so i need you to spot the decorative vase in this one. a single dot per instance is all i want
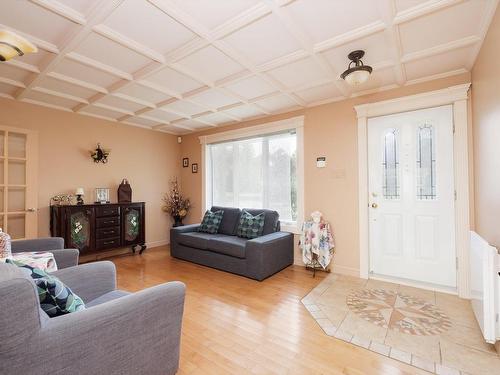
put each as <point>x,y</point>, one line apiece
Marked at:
<point>5,249</point>
<point>177,221</point>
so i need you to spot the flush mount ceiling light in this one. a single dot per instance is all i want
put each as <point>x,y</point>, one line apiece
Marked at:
<point>359,73</point>
<point>12,45</point>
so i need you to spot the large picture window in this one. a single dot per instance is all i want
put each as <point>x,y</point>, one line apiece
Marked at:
<point>256,171</point>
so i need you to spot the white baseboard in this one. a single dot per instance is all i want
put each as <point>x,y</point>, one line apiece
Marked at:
<point>344,270</point>
<point>157,243</point>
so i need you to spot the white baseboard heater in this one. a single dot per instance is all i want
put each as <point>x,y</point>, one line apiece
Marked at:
<point>485,287</point>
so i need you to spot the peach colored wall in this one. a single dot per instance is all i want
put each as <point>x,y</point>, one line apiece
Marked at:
<point>486,125</point>
<point>148,159</point>
<point>330,130</point>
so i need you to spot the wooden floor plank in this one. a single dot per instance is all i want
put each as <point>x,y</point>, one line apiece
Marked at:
<point>234,325</point>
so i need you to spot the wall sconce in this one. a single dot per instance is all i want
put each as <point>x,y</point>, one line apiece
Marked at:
<point>12,45</point>
<point>100,155</point>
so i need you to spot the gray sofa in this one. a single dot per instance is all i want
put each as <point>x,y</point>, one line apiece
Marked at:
<point>256,258</point>
<point>64,257</point>
<point>118,333</point>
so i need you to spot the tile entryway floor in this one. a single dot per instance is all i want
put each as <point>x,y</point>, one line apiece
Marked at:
<point>434,331</point>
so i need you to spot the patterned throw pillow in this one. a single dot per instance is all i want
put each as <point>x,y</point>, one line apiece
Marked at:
<point>211,222</point>
<point>55,297</point>
<point>250,226</point>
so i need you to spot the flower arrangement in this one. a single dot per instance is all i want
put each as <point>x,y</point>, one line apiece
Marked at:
<point>175,204</point>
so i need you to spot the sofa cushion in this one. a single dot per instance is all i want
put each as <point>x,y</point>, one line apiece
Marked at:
<point>229,221</point>
<point>110,296</point>
<point>250,226</point>
<point>271,219</point>
<point>55,297</point>
<point>211,222</point>
<point>198,240</point>
<point>228,245</point>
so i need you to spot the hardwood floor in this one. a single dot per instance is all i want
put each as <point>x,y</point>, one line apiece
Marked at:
<point>234,325</point>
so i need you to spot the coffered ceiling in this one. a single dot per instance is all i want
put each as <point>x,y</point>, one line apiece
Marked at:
<point>183,65</point>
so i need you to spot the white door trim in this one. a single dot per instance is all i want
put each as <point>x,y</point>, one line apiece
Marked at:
<point>457,96</point>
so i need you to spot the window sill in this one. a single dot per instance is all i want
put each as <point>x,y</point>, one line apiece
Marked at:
<point>292,228</point>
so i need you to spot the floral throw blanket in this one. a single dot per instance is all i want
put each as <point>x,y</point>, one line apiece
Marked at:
<point>317,238</point>
<point>43,260</point>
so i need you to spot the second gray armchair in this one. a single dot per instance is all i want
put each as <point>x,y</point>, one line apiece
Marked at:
<point>118,333</point>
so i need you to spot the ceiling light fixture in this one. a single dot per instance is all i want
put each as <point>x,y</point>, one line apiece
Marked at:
<point>359,73</point>
<point>12,45</point>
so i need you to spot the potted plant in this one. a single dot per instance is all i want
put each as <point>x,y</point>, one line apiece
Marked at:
<point>175,204</point>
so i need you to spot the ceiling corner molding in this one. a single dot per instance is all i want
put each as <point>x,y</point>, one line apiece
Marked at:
<point>413,102</point>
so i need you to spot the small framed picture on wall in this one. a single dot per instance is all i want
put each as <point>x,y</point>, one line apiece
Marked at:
<point>185,162</point>
<point>194,168</point>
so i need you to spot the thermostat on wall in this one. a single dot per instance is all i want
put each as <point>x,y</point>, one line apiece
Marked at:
<point>321,162</point>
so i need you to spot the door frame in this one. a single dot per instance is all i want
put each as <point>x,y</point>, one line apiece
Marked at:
<point>457,96</point>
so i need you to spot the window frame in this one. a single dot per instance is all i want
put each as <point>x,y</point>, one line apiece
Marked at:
<point>295,123</point>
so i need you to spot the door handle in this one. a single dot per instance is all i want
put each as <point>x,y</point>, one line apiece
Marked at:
<point>31,209</point>
<point>374,205</point>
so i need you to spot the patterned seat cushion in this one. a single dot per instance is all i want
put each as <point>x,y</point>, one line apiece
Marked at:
<point>211,222</point>
<point>250,226</point>
<point>55,297</point>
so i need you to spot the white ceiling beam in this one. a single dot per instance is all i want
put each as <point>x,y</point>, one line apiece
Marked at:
<point>456,44</point>
<point>98,65</point>
<point>47,46</point>
<point>387,8</point>
<point>12,82</point>
<point>62,10</point>
<point>360,32</point>
<point>74,81</point>
<point>423,9</point>
<point>60,94</point>
<point>22,65</point>
<point>44,104</point>
<point>241,20</point>
<point>98,116</point>
<point>307,45</point>
<point>98,14</point>
<point>134,100</point>
<point>115,36</point>
<point>115,109</point>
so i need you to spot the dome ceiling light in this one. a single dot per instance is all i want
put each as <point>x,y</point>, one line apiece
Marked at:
<point>356,72</point>
<point>12,45</point>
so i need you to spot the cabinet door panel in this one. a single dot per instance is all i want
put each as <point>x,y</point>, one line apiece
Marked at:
<point>80,228</point>
<point>133,224</point>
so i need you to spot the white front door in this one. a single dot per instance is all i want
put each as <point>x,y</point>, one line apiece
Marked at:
<point>411,196</point>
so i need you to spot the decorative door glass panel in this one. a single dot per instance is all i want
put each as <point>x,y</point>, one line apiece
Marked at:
<point>131,224</point>
<point>17,172</point>
<point>17,199</point>
<point>17,225</point>
<point>426,163</point>
<point>80,230</point>
<point>390,165</point>
<point>17,145</point>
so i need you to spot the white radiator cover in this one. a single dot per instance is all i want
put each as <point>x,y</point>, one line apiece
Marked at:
<point>485,286</point>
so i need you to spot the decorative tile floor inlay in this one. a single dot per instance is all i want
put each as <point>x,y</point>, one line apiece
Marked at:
<point>398,311</point>
<point>432,331</point>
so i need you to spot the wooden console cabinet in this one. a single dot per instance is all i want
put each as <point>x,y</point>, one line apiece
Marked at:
<point>97,227</point>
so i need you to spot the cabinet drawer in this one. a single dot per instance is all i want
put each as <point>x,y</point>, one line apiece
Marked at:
<point>104,222</point>
<point>107,211</point>
<point>109,232</point>
<point>107,243</point>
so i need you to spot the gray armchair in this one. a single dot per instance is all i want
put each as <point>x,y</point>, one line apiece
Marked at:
<point>118,332</point>
<point>64,257</point>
